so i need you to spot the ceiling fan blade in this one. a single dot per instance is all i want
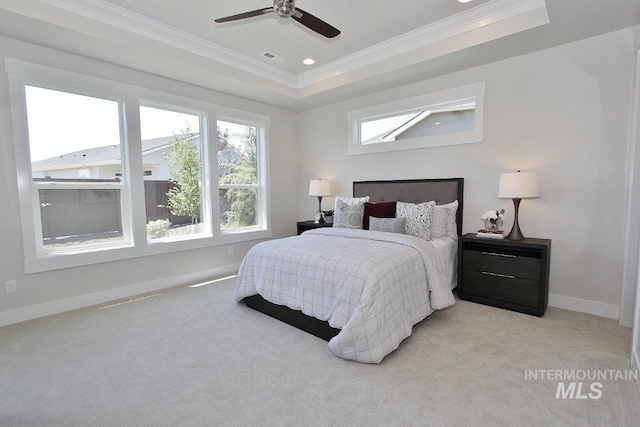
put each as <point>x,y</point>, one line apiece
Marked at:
<point>251,14</point>
<point>315,24</point>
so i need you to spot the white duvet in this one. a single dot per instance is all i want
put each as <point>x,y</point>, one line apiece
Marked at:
<point>372,285</point>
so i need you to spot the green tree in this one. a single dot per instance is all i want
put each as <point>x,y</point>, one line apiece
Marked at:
<point>183,158</point>
<point>241,168</point>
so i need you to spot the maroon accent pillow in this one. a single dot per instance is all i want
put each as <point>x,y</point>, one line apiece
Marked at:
<point>379,210</point>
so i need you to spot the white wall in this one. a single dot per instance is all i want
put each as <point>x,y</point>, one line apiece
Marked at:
<point>635,344</point>
<point>630,313</point>
<point>155,162</point>
<point>564,112</point>
<point>43,293</point>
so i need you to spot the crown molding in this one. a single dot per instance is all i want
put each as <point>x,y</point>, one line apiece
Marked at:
<point>124,19</point>
<point>461,23</point>
<point>465,22</point>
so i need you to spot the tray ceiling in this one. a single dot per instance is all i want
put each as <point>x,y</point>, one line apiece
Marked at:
<point>382,44</point>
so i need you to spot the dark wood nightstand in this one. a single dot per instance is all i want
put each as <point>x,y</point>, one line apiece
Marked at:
<point>309,225</point>
<point>505,273</point>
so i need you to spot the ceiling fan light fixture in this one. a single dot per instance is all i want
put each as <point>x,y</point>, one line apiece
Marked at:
<point>284,8</point>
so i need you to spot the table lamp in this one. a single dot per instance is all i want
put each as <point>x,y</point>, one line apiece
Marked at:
<point>319,188</point>
<point>518,186</point>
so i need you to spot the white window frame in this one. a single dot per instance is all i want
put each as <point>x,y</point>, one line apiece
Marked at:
<point>472,92</point>
<point>261,200</point>
<point>21,73</point>
<point>47,185</point>
<point>206,215</point>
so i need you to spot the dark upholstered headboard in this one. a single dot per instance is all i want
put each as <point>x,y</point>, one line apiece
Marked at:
<point>443,191</point>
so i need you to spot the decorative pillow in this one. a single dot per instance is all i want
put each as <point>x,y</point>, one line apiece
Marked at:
<point>348,216</point>
<point>390,225</point>
<point>379,210</point>
<point>441,219</point>
<point>350,200</point>
<point>417,217</point>
<point>452,227</point>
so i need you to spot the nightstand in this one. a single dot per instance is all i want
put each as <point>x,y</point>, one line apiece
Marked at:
<point>505,273</point>
<point>309,225</point>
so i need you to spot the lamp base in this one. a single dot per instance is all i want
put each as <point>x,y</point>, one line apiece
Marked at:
<point>321,219</point>
<point>515,233</point>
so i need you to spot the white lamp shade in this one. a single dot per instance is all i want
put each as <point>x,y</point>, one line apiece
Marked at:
<point>319,187</point>
<point>518,185</point>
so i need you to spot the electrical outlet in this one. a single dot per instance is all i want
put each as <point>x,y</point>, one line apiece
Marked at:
<point>230,250</point>
<point>10,286</point>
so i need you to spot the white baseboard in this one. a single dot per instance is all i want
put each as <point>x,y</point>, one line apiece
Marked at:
<point>60,306</point>
<point>610,311</point>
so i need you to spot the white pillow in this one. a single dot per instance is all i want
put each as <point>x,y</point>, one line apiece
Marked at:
<point>452,227</point>
<point>418,218</point>
<point>439,223</point>
<point>348,216</point>
<point>442,217</point>
<point>350,200</point>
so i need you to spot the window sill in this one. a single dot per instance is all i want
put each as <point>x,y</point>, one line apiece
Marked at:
<point>416,143</point>
<point>58,261</point>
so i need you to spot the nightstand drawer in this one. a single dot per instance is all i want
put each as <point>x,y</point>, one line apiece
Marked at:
<point>504,289</point>
<point>510,263</point>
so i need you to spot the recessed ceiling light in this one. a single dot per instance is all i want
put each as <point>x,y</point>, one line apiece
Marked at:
<point>464,1</point>
<point>309,61</point>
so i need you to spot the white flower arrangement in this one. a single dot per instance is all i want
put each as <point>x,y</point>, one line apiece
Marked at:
<point>493,219</point>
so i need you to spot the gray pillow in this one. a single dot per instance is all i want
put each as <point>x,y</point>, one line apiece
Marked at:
<point>348,216</point>
<point>390,225</point>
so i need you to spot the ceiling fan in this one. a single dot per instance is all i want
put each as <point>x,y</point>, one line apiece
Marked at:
<point>288,9</point>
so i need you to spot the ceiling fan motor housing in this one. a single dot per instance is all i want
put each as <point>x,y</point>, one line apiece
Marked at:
<point>284,8</point>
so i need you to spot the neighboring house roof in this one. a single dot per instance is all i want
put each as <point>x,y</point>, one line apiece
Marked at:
<point>109,154</point>
<point>392,134</point>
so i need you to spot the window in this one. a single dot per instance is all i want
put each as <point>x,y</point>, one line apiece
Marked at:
<point>109,171</point>
<point>74,144</point>
<point>238,175</point>
<point>453,116</point>
<point>172,145</point>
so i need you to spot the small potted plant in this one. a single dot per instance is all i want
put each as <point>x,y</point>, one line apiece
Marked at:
<point>328,216</point>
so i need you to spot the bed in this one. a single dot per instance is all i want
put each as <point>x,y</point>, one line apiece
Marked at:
<point>363,291</point>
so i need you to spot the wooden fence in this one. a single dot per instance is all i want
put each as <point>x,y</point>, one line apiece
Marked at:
<point>74,212</point>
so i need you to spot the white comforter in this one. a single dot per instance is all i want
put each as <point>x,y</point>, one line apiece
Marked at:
<point>374,286</point>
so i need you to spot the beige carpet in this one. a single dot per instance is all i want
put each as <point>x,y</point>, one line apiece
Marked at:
<point>193,356</point>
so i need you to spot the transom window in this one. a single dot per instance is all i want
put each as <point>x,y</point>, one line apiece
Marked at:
<point>116,171</point>
<point>453,116</point>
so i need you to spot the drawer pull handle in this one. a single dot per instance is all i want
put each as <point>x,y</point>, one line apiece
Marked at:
<point>496,254</point>
<point>505,276</point>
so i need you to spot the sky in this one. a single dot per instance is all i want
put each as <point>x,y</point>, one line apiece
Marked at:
<point>61,122</point>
